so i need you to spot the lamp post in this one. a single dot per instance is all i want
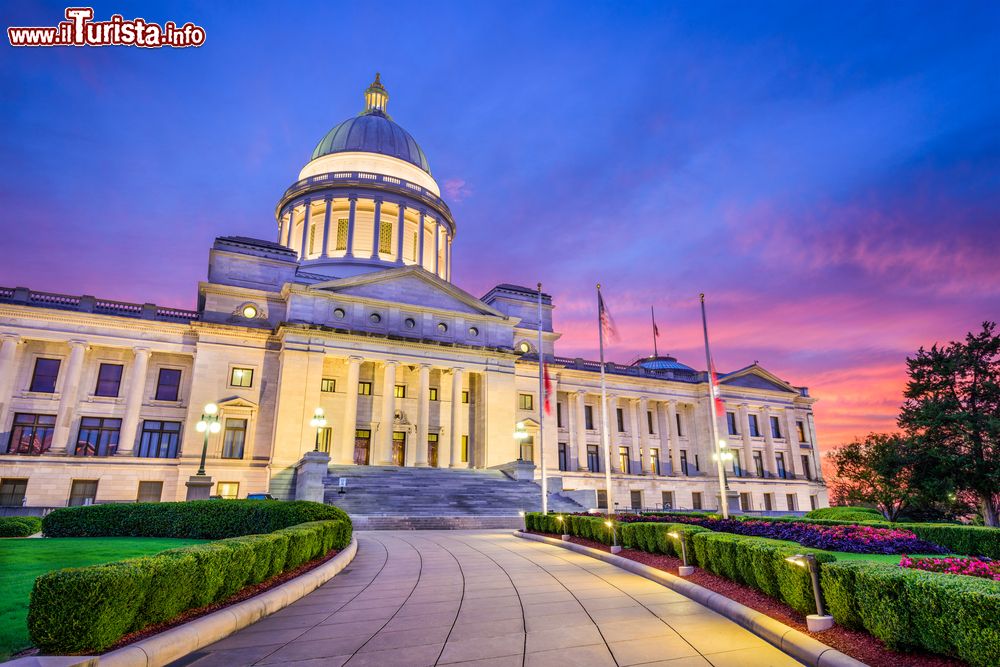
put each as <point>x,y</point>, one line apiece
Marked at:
<point>209,423</point>
<point>318,421</point>
<point>684,570</point>
<point>819,621</point>
<point>563,528</point>
<point>724,455</point>
<point>614,537</point>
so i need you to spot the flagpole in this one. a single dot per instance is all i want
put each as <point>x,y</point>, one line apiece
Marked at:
<point>723,498</point>
<point>541,408</point>
<point>652,316</point>
<point>604,407</point>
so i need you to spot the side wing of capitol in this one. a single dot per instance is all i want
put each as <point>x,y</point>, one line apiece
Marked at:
<point>352,312</point>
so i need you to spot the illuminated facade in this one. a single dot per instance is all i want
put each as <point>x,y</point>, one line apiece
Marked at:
<point>353,311</point>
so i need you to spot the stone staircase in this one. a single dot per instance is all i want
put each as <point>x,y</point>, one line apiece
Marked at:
<point>386,497</point>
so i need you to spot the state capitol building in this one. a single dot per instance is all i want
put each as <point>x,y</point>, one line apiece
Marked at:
<point>352,310</point>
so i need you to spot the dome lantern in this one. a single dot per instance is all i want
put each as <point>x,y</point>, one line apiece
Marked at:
<point>376,96</point>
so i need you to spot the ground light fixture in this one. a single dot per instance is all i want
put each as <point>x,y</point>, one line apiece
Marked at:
<point>209,423</point>
<point>614,537</point>
<point>524,521</point>
<point>819,621</point>
<point>318,421</point>
<point>684,570</point>
<point>563,527</point>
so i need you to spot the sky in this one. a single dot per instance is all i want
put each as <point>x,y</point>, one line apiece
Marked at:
<point>828,174</point>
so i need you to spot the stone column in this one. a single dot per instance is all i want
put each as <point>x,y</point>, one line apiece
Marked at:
<point>399,234</point>
<point>286,237</point>
<point>770,467</point>
<point>420,241</point>
<point>326,247</point>
<point>350,231</point>
<point>345,453</point>
<point>581,431</point>
<point>384,449</point>
<point>423,416</point>
<point>636,455</point>
<point>377,227</point>
<point>68,396</point>
<point>437,248</point>
<point>795,465</point>
<point>646,438</point>
<point>8,349</point>
<point>133,402</point>
<point>454,437</point>
<point>447,269</point>
<point>613,438</point>
<point>306,217</point>
<point>817,464</point>
<point>744,428</point>
<point>675,443</point>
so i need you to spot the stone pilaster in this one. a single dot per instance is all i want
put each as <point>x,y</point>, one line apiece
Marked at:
<point>68,397</point>
<point>455,436</point>
<point>423,416</point>
<point>581,430</point>
<point>345,453</point>
<point>384,449</point>
<point>133,402</point>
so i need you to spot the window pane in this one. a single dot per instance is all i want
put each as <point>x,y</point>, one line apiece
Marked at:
<point>342,226</point>
<point>98,437</point>
<point>45,375</point>
<point>149,492</point>
<point>233,439</point>
<point>385,237</point>
<point>12,492</point>
<point>83,492</point>
<point>228,490</point>
<point>31,434</point>
<point>328,385</point>
<point>168,384</point>
<point>109,378</point>
<point>159,439</point>
<point>241,377</point>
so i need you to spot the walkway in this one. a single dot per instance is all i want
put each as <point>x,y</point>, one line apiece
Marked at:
<point>489,599</point>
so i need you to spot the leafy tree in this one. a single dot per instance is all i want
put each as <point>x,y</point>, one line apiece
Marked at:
<point>952,409</point>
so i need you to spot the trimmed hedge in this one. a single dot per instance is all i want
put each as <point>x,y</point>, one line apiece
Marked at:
<point>587,527</point>
<point>19,526</point>
<point>87,609</point>
<point>846,514</point>
<point>198,519</point>
<point>912,609</point>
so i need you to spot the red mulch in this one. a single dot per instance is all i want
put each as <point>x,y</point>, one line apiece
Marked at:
<point>859,645</point>
<point>191,614</point>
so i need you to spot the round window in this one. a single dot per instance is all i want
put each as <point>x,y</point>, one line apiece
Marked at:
<point>473,331</point>
<point>249,311</point>
<point>442,327</point>
<point>523,347</point>
<point>338,313</point>
<point>409,322</point>
<point>374,318</point>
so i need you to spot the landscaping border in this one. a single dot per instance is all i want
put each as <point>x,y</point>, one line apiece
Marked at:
<point>175,643</point>
<point>797,644</point>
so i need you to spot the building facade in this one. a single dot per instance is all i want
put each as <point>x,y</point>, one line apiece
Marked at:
<point>352,311</point>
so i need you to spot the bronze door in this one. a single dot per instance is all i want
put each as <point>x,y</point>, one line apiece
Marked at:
<point>362,445</point>
<point>398,448</point>
<point>432,453</point>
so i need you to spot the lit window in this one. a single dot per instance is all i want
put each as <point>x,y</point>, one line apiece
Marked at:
<point>241,377</point>
<point>414,257</point>
<point>234,438</point>
<point>109,379</point>
<point>364,388</point>
<point>328,385</point>
<point>442,327</point>
<point>342,228</point>
<point>526,401</point>
<point>312,239</point>
<point>249,311</point>
<point>44,378</point>
<point>434,393</point>
<point>465,449</point>
<point>523,347</point>
<point>473,332</point>
<point>385,238</point>
<point>400,391</point>
<point>465,396</point>
<point>802,430</point>
<point>228,490</point>
<point>324,436</point>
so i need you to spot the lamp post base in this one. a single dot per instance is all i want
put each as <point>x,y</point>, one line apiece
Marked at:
<point>616,549</point>
<point>685,570</point>
<point>565,538</point>
<point>199,487</point>
<point>816,623</point>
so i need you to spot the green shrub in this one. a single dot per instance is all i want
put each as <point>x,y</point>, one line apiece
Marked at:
<point>87,609</point>
<point>199,519</point>
<point>846,514</point>
<point>588,527</point>
<point>655,538</point>
<point>913,609</point>
<point>19,526</point>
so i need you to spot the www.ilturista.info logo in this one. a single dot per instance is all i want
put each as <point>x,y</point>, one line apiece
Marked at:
<point>79,29</point>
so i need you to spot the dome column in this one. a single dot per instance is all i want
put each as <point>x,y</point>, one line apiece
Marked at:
<point>286,236</point>
<point>437,249</point>
<point>399,234</point>
<point>378,228</point>
<point>350,226</point>
<point>420,241</point>
<point>305,228</point>
<point>325,252</point>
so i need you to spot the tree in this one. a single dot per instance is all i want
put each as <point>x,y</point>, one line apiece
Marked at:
<point>890,472</point>
<point>952,409</point>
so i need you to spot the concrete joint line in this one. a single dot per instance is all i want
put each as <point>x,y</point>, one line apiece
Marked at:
<point>797,644</point>
<point>175,643</point>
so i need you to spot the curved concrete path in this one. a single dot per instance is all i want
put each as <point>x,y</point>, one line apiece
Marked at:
<point>487,598</point>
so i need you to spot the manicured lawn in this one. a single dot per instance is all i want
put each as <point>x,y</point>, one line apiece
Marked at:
<point>22,560</point>
<point>846,555</point>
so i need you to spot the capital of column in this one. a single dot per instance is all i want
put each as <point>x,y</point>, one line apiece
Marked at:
<point>141,350</point>
<point>10,337</point>
<point>77,343</point>
<point>354,359</point>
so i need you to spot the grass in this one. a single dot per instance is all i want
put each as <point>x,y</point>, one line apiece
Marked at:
<point>25,559</point>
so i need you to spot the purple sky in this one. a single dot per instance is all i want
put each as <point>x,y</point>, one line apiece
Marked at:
<point>828,175</point>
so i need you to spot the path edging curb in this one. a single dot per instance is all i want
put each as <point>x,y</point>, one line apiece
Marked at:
<point>175,643</point>
<point>795,643</point>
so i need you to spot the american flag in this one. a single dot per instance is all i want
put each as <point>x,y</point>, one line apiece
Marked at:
<point>607,324</point>
<point>720,407</point>
<point>548,389</point>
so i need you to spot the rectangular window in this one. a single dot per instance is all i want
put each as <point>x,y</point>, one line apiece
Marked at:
<point>149,492</point>
<point>234,438</point>
<point>620,414</point>
<point>680,427</point>
<point>168,384</point>
<point>228,490</point>
<point>779,460</point>
<point>528,448</point>
<point>775,427</point>
<point>563,463</point>
<point>667,499</point>
<point>312,239</point>
<point>731,423</point>
<point>385,238</point>
<point>31,434</point>
<point>806,468</point>
<point>12,490</point>
<point>588,417</point>
<point>558,415</point>
<point>343,225</point>
<point>754,426</point>
<point>746,503</point>
<point>465,396</point>
<point>526,401</point>
<point>602,499</point>
<point>98,436</point>
<point>635,498</point>
<point>324,436</point>
<point>328,385</point>
<point>44,377</point>
<point>159,439</point>
<point>769,502</point>
<point>593,458</point>
<point>737,463</point>
<point>364,389</point>
<point>434,393</point>
<point>400,391</point>
<point>684,462</point>
<point>696,500</point>
<point>413,252</point>
<point>758,463</point>
<point>109,380</point>
<point>623,460</point>
<point>802,430</point>
<point>241,377</point>
<point>649,421</point>
<point>465,449</point>
<point>654,460</point>
<point>697,463</point>
<point>82,492</point>
<point>814,502</point>
<point>791,501</point>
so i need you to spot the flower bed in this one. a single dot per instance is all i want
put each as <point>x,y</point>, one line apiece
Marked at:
<point>970,567</point>
<point>851,538</point>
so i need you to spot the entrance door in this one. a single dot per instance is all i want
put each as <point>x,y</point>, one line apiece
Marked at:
<point>362,444</point>
<point>398,448</point>
<point>432,450</point>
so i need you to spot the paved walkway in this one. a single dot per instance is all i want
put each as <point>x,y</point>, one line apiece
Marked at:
<point>489,599</point>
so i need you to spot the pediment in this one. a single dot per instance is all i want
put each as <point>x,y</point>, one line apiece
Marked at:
<point>408,285</point>
<point>756,377</point>
<point>237,402</point>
